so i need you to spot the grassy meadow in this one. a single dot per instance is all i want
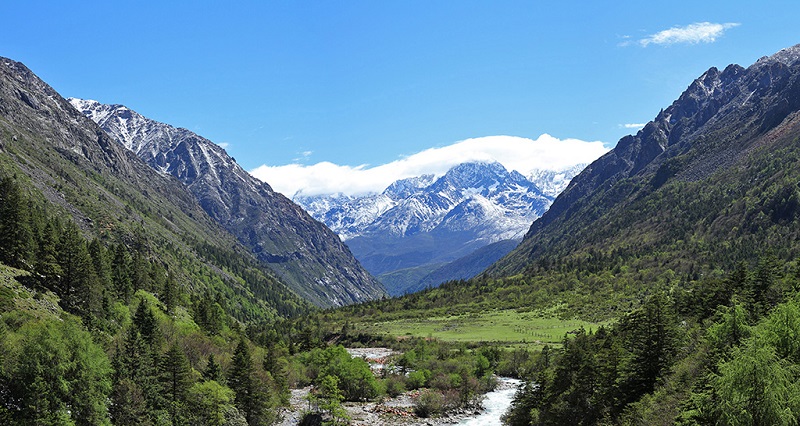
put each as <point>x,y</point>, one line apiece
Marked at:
<point>509,327</point>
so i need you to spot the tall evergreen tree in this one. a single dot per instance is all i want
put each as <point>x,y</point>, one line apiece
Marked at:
<point>121,272</point>
<point>16,238</point>
<point>101,264</point>
<point>250,399</point>
<point>650,337</point>
<point>135,361</point>
<point>78,286</point>
<point>212,370</point>
<point>175,381</point>
<point>47,266</point>
<point>146,324</point>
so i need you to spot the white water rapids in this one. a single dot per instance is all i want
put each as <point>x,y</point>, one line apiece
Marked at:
<point>495,404</point>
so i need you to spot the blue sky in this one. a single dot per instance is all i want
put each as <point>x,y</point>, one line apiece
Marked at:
<point>368,83</point>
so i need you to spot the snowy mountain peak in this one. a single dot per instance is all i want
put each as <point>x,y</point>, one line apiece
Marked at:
<point>484,199</point>
<point>404,188</point>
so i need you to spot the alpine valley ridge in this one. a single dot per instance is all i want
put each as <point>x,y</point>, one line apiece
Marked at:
<point>303,252</point>
<point>709,182</point>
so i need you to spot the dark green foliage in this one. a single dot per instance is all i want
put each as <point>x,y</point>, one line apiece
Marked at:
<point>144,320</point>
<point>16,238</point>
<point>136,373</point>
<point>78,286</point>
<point>175,381</point>
<point>596,375</point>
<point>128,406</point>
<point>251,398</point>
<point>208,314</point>
<point>212,370</point>
<point>121,273</point>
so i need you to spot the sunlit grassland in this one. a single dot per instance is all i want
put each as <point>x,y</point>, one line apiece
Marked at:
<point>506,327</point>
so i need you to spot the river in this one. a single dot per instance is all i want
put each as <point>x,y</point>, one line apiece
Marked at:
<point>495,404</point>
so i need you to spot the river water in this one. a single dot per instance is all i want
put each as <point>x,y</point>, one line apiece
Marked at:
<point>495,404</point>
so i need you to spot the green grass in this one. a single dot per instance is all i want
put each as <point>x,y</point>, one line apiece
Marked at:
<point>508,327</point>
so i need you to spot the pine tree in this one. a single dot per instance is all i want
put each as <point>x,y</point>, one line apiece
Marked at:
<point>78,286</point>
<point>250,400</point>
<point>47,266</point>
<point>651,337</point>
<point>128,404</point>
<point>146,324</point>
<point>135,361</point>
<point>16,238</point>
<point>101,264</point>
<point>175,381</point>
<point>121,273</point>
<point>212,370</point>
<point>169,294</point>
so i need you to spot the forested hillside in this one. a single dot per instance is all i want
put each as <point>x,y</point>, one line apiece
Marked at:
<point>118,290</point>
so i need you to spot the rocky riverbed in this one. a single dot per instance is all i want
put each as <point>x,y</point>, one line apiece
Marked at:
<point>400,410</point>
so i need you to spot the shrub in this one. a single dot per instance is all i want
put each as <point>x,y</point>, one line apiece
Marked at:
<point>428,403</point>
<point>395,385</point>
<point>418,379</point>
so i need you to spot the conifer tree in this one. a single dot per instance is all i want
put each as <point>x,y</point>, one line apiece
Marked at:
<point>121,273</point>
<point>146,324</point>
<point>47,266</point>
<point>169,294</point>
<point>250,399</point>
<point>134,361</point>
<point>78,286</point>
<point>212,370</point>
<point>175,381</point>
<point>16,238</point>
<point>101,264</point>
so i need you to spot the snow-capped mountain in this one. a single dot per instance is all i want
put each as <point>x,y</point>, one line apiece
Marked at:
<point>426,221</point>
<point>304,253</point>
<point>470,196</point>
<point>553,182</point>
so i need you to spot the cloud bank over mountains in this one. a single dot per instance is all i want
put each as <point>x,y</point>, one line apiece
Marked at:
<point>515,153</point>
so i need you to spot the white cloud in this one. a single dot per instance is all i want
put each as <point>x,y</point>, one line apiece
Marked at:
<point>700,32</point>
<point>224,145</point>
<point>515,153</point>
<point>636,126</point>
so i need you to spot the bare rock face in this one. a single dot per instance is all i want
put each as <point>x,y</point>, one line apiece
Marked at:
<point>303,252</point>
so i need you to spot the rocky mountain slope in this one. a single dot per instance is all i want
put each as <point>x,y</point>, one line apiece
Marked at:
<point>51,149</point>
<point>710,181</point>
<point>418,225</point>
<point>304,253</point>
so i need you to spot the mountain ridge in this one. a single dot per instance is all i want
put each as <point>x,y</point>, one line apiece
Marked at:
<point>50,148</point>
<point>718,123</point>
<point>301,250</point>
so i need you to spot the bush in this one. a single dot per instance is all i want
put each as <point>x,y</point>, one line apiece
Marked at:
<point>428,403</point>
<point>395,385</point>
<point>418,379</point>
